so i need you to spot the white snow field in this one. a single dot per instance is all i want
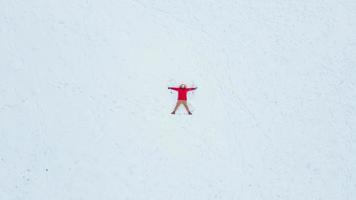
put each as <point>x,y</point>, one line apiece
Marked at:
<point>85,109</point>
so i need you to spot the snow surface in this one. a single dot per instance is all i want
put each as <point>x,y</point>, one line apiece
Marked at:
<point>84,105</point>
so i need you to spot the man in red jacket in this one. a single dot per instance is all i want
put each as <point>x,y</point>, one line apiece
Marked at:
<point>182,97</point>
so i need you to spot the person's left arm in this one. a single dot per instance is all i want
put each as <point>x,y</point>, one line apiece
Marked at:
<point>190,89</point>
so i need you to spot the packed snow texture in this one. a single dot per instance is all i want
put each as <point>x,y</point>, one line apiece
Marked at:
<point>84,104</point>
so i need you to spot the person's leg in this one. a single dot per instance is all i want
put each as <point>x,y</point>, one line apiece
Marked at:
<point>177,106</point>
<point>186,107</point>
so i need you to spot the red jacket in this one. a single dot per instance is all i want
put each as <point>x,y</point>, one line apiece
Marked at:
<point>182,92</point>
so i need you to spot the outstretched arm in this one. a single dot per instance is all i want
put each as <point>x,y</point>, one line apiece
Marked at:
<point>189,89</point>
<point>173,88</point>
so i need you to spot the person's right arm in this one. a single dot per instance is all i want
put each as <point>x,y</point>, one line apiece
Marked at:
<point>173,88</point>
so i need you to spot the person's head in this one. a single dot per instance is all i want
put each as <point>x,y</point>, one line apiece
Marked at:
<point>182,86</point>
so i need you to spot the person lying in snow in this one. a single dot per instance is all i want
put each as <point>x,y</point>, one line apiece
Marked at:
<point>182,97</point>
